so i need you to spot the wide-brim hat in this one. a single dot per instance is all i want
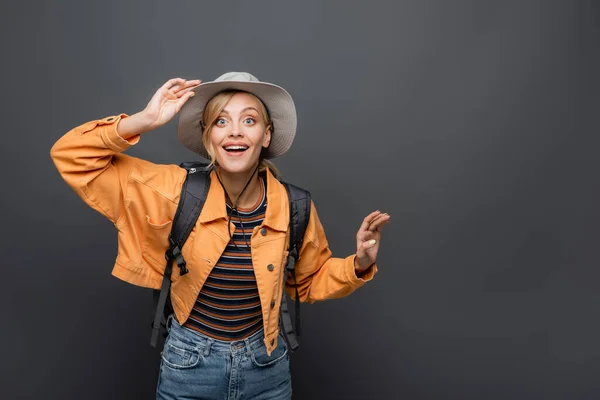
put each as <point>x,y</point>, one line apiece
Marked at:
<point>277,100</point>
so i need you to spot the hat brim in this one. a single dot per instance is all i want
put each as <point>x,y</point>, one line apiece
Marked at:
<point>277,100</point>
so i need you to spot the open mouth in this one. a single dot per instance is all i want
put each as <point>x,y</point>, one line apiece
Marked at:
<point>235,149</point>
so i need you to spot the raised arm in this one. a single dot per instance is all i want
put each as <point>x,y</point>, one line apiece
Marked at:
<point>319,276</point>
<point>89,157</point>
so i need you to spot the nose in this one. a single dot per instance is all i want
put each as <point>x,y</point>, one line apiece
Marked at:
<point>235,129</point>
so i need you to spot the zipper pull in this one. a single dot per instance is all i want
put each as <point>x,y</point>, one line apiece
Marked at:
<point>192,170</point>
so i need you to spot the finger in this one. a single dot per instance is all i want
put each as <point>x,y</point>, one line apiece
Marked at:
<point>172,82</point>
<point>374,223</point>
<point>368,219</point>
<point>365,236</point>
<point>185,90</point>
<point>179,89</point>
<point>183,99</point>
<point>370,243</point>
<point>378,222</point>
<point>363,249</point>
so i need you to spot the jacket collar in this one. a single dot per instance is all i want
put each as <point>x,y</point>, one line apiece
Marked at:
<point>277,214</point>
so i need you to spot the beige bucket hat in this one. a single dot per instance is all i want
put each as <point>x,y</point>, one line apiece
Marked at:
<point>278,101</point>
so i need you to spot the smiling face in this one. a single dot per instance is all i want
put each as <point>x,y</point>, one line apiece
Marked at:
<point>237,129</point>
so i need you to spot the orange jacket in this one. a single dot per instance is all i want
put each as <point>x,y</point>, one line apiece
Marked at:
<point>140,198</point>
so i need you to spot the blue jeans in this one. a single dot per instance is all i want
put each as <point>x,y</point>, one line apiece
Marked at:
<point>194,366</point>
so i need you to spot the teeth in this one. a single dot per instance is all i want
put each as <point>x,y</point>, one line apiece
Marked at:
<point>235,148</point>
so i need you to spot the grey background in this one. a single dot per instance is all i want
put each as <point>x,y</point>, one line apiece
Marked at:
<point>473,123</point>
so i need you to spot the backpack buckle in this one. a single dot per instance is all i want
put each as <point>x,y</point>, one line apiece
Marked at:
<point>174,253</point>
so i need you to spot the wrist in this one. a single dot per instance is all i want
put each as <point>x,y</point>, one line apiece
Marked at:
<point>136,124</point>
<point>360,270</point>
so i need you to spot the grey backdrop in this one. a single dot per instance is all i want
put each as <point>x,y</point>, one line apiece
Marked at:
<point>473,123</point>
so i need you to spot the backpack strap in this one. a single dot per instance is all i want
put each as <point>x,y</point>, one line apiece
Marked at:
<point>192,198</point>
<point>300,202</point>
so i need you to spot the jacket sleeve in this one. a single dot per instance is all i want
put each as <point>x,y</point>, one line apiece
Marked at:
<point>319,276</point>
<point>88,158</point>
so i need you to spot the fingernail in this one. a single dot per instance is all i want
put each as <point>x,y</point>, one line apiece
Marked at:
<point>372,242</point>
<point>193,94</point>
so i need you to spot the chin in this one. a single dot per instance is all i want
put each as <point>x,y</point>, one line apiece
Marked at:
<point>235,167</point>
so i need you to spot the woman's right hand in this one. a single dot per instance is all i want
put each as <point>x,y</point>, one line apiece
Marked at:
<point>168,100</point>
<point>164,105</point>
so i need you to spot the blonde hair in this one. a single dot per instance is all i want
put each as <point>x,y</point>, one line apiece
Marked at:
<point>213,110</point>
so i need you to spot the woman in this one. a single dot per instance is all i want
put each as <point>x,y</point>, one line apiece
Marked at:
<point>224,341</point>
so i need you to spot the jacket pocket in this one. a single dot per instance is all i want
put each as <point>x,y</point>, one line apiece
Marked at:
<point>156,241</point>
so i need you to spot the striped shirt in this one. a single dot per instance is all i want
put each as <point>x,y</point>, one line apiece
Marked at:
<point>228,306</point>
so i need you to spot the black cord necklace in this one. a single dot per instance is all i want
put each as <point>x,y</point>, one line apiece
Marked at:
<point>235,209</point>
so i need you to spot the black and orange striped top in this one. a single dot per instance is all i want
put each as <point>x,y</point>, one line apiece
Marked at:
<point>228,306</point>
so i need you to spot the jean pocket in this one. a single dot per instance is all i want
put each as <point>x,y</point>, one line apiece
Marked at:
<point>260,358</point>
<point>180,355</point>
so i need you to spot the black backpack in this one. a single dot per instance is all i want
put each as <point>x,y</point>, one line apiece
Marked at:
<point>193,196</point>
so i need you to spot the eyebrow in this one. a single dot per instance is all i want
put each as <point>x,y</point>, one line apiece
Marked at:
<point>241,112</point>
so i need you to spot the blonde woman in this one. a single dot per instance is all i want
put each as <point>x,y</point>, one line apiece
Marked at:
<point>224,340</point>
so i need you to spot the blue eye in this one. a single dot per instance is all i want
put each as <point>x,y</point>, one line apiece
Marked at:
<point>220,121</point>
<point>249,121</point>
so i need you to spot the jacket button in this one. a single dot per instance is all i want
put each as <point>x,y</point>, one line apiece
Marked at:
<point>263,231</point>
<point>272,303</point>
<point>270,267</point>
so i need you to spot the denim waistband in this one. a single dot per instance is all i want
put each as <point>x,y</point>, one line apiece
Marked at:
<point>209,344</point>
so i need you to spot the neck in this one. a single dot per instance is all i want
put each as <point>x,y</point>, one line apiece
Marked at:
<point>234,184</point>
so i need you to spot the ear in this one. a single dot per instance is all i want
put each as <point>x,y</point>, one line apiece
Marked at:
<point>267,138</point>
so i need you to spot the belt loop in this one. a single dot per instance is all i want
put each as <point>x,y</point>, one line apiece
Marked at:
<point>248,346</point>
<point>209,343</point>
<point>169,322</point>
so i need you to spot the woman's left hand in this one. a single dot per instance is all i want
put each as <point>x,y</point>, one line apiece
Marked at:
<point>367,240</point>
